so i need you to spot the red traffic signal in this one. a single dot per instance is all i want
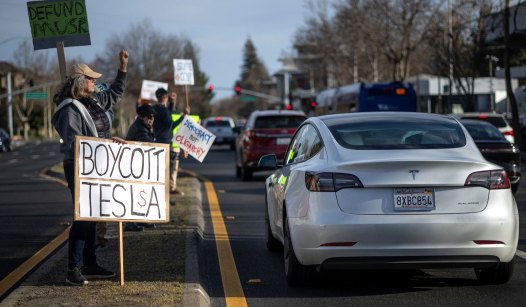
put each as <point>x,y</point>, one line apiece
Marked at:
<point>238,89</point>
<point>289,107</point>
<point>313,104</point>
<point>210,89</point>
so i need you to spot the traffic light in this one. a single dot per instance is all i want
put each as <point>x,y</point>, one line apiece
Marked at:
<point>313,105</point>
<point>237,89</point>
<point>210,88</point>
<point>289,106</point>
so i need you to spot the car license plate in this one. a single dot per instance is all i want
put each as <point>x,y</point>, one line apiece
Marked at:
<point>414,199</point>
<point>283,141</point>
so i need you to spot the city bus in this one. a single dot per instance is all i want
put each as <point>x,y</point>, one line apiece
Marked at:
<point>367,97</point>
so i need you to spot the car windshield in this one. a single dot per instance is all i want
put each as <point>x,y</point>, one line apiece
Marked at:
<point>381,133</point>
<point>483,132</point>
<point>278,122</point>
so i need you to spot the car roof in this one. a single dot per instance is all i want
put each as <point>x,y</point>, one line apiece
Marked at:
<point>476,114</point>
<point>278,112</point>
<point>399,116</point>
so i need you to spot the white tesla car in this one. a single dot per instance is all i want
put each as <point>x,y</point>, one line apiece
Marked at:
<point>389,190</point>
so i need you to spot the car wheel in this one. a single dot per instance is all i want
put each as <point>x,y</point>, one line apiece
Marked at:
<point>246,173</point>
<point>296,273</point>
<point>498,274</point>
<point>272,243</point>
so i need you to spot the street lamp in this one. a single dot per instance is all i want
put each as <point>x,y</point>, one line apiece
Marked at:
<point>491,59</point>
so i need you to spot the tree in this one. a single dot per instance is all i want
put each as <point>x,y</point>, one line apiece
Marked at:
<point>253,71</point>
<point>151,58</point>
<point>199,97</point>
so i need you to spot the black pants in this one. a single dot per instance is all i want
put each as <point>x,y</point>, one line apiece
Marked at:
<point>81,248</point>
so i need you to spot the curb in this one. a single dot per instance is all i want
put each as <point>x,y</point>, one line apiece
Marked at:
<point>194,294</point>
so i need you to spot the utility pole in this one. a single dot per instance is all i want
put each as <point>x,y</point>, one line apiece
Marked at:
<point>491,59</point>
<point>9,105</point>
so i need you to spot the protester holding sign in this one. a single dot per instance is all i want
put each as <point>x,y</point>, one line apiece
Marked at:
<point>142,131</point>
<point>81,111</point>
<point>163,128</point>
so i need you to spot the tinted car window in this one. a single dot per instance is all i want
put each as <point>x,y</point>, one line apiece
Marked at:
<point>278,122</point>
<point>496,121</point>
<point>306,143</point>
<point>483,131</point>
<point>380,133</point>
<point>218,123</point>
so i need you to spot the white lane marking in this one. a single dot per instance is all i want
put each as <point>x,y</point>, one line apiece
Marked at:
<point>521,254</point>
<point>12,161</point>
<point>35,156</point>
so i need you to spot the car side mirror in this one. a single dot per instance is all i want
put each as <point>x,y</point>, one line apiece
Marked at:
<point>269,161</point>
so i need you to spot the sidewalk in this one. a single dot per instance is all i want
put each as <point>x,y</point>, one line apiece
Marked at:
<point>160,265</point>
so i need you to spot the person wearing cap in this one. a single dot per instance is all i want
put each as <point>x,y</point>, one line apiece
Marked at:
<point>163,128</point>
<point>82,111</point>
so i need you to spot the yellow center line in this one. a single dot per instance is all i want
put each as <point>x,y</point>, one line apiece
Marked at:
<point>15,276</point>
<point>234,294</point>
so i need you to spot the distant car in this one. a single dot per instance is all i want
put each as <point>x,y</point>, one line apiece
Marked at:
<point>497,120</point>
<point>5,140</point>
<point>223,128</point>
<point>385,190</point>
<point>495,148</point>
<point>264,132</point>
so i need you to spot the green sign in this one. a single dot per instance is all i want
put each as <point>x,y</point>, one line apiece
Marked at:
<point>248,98</point>
<point>58,20</point>
<point>36,95</point>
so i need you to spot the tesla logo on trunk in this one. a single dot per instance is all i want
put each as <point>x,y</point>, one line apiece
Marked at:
<point>413,172</point>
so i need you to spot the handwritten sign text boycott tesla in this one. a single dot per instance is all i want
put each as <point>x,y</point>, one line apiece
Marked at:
<point>121,182</point>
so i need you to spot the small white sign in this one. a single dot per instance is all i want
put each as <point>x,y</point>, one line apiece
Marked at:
<point>194,139</point>
<point>149,87</point>
<point>115,182</point>
<point>183,72</point>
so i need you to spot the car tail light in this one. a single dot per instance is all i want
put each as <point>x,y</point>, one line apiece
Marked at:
<point>491,180</point>
<point>508,133</point>
<point>330,182</point>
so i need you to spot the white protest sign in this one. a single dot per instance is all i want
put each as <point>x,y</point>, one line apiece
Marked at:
<point>183,72</point>
<point>116,182</point>
<point>149,87</point>
<point>194,139</point>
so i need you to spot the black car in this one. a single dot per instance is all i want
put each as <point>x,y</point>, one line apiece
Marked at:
<point>495,148</point>
<point>5,140</point>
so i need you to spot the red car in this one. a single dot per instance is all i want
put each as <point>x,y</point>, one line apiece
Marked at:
<point>265,132</point>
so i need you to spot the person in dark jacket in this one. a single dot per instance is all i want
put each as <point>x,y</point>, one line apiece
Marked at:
<point>141,131</point>
<point>163,128</point>
<point>82,111</point>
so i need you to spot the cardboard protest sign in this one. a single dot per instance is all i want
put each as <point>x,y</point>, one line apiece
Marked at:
<point>116,182</point>
<point>194,139</point>
<point>183,72</point>
<point>58,21</point>
<point>149,87</point>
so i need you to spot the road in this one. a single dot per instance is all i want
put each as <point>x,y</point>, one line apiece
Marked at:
<point>42,210</point>
<point>261,274</point>
<point>33,210</point>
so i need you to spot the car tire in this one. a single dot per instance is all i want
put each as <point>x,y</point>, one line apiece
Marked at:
<point>514,188</point>
<point>296,273</point>
<point>238,171</point>
<point>272,243</point>
<point>498,274</point>
<point>246,173</point>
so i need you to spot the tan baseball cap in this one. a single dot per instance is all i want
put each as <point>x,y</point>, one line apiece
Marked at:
<point>83,69</point>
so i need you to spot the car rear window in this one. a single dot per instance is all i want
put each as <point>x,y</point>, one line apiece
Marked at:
<point>278,122</point>
<point>496,121</point>
<point>378,134</point>
<point>484,132</point>
<point>217,123</point>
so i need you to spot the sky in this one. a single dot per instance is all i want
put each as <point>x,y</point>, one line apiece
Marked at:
<point>218,27</point>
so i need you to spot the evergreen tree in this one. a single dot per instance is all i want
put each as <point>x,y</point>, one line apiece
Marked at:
<point>253,71</point>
